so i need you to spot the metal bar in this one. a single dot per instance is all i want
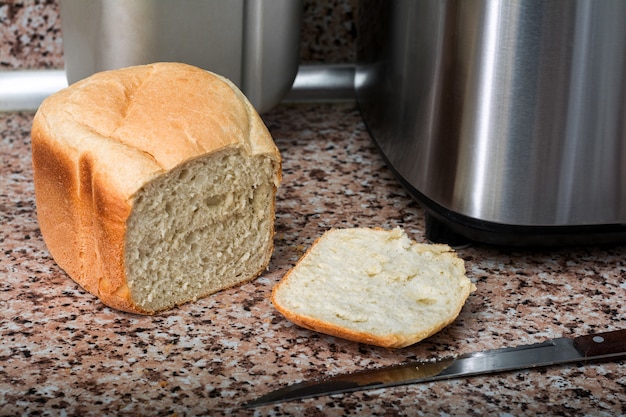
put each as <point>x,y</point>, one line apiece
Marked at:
<point>323,83</point>
<point>24,90</point>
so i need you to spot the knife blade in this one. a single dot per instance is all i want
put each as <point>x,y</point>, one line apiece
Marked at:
<point>592,347</point>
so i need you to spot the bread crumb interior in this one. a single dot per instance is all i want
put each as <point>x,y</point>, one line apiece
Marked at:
<point>202,227</point>
<point>376,282</point>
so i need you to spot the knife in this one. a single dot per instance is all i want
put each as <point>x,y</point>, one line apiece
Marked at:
<point>593,347</point>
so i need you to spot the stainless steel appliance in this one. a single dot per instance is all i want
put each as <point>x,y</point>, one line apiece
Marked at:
<point>254,43</point>
<point>506,119</point>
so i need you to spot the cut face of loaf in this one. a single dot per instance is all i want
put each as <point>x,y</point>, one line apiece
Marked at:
<point>374,286</point>
<point>155,185</point>
<point>201,228</point>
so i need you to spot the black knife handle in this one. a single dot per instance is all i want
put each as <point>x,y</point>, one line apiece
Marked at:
<point>601,343</point>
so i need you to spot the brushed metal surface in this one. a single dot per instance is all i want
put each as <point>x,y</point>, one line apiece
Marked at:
<point>254,43</point>
<point>24,90</point>
<point>507,111</point>
<point>323,83</point>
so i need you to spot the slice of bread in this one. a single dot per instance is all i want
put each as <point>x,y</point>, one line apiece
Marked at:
<point>155,185</point>
<point>374,286</point>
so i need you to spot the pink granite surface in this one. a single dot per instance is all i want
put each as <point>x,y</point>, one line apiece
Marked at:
<point>30,35</point>
<point>63,353</point>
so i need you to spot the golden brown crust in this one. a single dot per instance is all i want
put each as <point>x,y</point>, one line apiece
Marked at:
<point>100,140</point>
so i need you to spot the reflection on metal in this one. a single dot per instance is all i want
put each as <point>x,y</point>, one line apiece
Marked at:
<point>25,90</point>
<point>508,112</point>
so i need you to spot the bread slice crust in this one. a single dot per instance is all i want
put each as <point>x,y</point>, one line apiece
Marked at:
<point>393,293</point>
<point>99,143</point>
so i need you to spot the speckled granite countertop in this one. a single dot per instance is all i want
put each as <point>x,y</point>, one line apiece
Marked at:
<point>63,353</point>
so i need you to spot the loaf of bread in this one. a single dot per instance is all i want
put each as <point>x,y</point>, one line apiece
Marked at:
<point>374,286</point>
<point>155,185</point>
